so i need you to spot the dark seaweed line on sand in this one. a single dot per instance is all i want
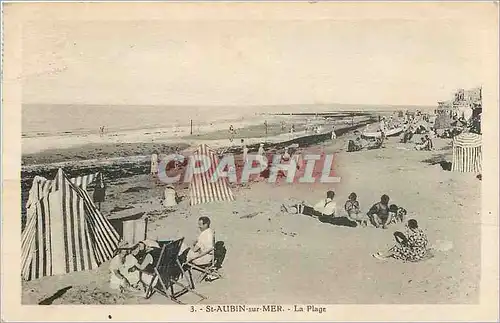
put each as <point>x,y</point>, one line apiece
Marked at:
<point>128,169</point>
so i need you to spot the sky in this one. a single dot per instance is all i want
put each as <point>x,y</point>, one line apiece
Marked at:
<point>266,62</point>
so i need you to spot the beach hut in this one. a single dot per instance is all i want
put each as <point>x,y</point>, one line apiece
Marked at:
<point>467,153</point>
<point>130,226</point>
<point>203,188</point>
<point>64,232</point>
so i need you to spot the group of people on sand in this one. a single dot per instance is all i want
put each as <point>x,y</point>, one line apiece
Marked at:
<point>410,246</point>
<point>359,143</point>
<point>380,215</point>
<point>131,269</point>
<point>425,143</point>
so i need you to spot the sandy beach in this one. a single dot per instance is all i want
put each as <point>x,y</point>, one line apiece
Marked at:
<point>297,259</point>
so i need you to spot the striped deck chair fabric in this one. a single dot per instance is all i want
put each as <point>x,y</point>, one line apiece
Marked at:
<point>65,232</point>
<point>467,153</point>
<point>205,187</point>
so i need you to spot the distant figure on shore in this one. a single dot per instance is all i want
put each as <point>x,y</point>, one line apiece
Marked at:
<point>99,192</point>
<point>407,135</point>
<point>292,129</point>
<point>283,125</point>
<point>101,131</point>
<point>334,135</point>
<point>261,150</point>
<point>286,156</point>
<point>390,123</point>
<point>154,165</point>
<point>379,213</point>
<point>245,151</point>
<point>383,128</point>
<point>169,196</point>
<point>231,134</point>
<point>265,126</point>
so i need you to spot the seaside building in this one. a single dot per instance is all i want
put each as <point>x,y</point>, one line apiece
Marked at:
<point>465,103</point>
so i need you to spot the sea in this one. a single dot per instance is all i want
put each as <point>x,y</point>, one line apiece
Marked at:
<point>67,119</point>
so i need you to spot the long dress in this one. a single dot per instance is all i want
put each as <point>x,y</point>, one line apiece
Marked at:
<point>416,248</point>
<point>154,164</point>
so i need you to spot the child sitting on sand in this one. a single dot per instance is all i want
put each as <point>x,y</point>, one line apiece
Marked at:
<point>351,206</point>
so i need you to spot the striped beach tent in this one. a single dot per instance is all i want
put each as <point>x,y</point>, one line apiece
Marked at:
<point>64,232</point>
<point>467,153</point>
<point>203,188</point>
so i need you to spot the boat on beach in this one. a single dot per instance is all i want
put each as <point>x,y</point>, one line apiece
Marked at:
<point>390,133</point>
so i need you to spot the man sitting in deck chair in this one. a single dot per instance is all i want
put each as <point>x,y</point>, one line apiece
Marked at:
<point>203,249</point>
<point>201,256</point>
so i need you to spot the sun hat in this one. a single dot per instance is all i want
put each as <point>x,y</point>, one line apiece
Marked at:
<point>151,243</point>
<point>123,245</point>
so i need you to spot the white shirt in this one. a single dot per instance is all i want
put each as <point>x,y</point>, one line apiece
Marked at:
<point>382,125</point>
<point>133,277</point>
<point>206,242</point>
<point>245,153</point>
<point>326,206</point>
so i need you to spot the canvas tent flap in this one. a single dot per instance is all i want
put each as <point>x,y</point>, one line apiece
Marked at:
<point>467,154</point>
<point>203,188</point>
<point>65,232</point>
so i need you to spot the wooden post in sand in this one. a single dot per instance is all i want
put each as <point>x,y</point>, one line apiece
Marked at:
<point>191,126</point>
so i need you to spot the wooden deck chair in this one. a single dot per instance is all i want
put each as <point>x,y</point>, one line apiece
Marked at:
<point>166,273</point>
<point>209,270</point>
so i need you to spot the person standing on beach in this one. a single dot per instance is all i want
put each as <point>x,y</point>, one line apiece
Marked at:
<point>154,165</point>
<point>99,192</point>
<point>261,150</point>
<point>245,152</point>
<point>265,125</point>
<point>231,134</point>
<point>334,135</point>
<point>383,128</point>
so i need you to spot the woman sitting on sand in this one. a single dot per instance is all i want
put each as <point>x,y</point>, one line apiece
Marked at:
<point>351,207</point>
<point>411,246</point>
<point>121,276</point>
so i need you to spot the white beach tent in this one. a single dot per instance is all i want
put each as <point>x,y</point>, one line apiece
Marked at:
<point>467,153</point>
<point>64,232</point>
<point>202,189</point>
